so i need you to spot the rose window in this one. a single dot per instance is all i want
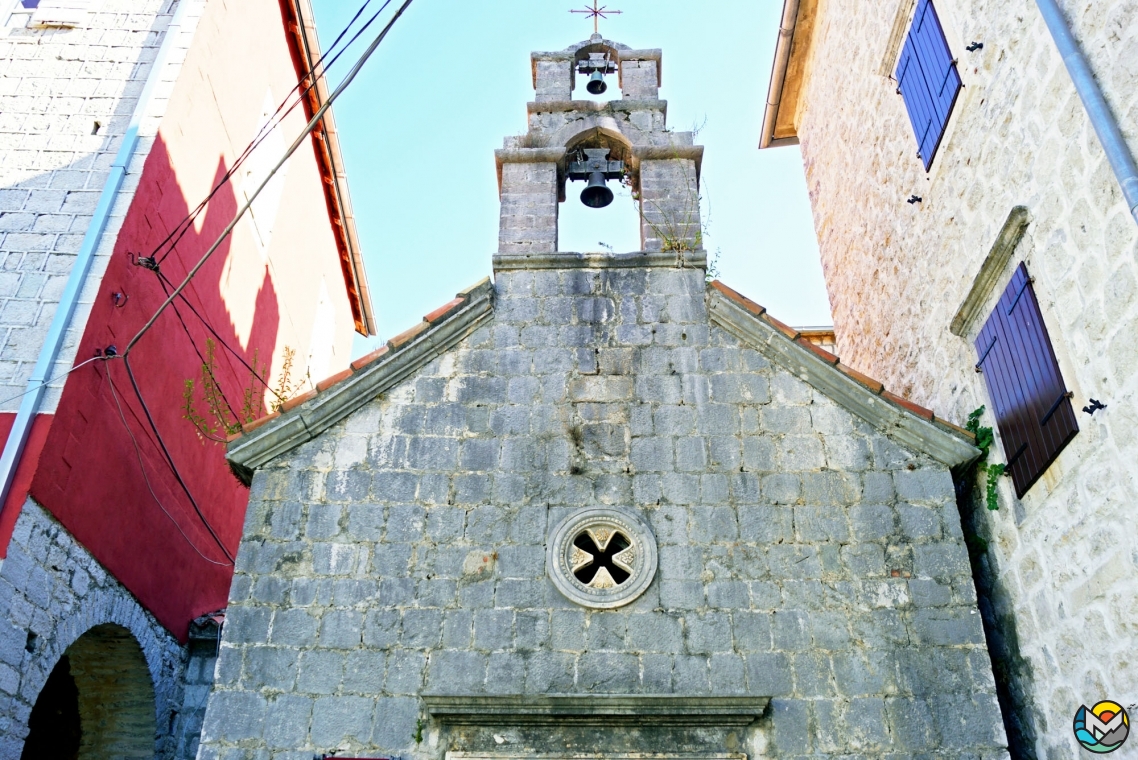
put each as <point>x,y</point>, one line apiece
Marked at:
<point>602,558</point>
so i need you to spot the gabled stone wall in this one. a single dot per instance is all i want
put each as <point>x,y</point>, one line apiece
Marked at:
<point>803,555</point>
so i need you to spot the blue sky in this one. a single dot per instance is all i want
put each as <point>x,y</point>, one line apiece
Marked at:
<point>420,124</point>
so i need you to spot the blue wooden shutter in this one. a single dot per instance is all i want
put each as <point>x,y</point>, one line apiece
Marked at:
<point>927,80</point>
<point>1030,401</point>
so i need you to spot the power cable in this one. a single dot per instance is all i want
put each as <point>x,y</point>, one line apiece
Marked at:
<point>164,281</point>
<point>316,118</point>
<point>51,380</point>
<point>275,119</point>
<point>312,123</point>
<point>149,487</point>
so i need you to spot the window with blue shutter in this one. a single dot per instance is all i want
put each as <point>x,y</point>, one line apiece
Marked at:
<point>1030,400</point>
<point>927,80</point>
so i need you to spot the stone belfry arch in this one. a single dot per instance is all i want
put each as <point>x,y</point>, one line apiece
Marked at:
<point>662,167</point>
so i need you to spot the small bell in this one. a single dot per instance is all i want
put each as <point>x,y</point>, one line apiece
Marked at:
<point>596,85</point>
<point>597,194</point>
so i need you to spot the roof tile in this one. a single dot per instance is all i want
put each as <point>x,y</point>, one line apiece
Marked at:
<point>916,409</point>
<point>818,350</point>
<point>249,427</point>
<point>296,401</point>
<point>782,327</point>
<point>444,311</point>
<point>865,380</point>
<point>328,382</point>
<point>955,428</point>
<point>405,337</point>
<point>738,298</point>
<point>367,359</point>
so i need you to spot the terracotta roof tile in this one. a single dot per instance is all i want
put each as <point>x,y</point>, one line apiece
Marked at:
<point>865,380</point>
<point>249,427</point>
<point>821,352</point>
<point>738,298</point>
<point>405,337</point>
<point>955,428</point>
<point>296,401</point>
<point>444,311</point>
<point>916,409</point>
<point>328,382</point>
<point>367,359</point>
<point>782,327</point>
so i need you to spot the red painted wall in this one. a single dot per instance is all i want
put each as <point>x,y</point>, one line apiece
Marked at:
<point>101,471</point>
<point>132,515</point>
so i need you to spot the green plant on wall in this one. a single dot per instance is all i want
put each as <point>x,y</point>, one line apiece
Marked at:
<point>212,415</point>
<point>985,439</point>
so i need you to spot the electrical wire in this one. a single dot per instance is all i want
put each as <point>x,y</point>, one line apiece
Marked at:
<point>274,120</point>
<point>51,380</point>
<point>164,281</point>
<point>142,467</point>
<point>312,123</point>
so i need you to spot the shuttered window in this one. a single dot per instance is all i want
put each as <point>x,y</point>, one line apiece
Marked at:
<point>1031,403</point>
<point>927,80</point>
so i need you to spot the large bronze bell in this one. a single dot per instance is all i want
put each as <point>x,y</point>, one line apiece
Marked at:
<point>596,194</point>
<point>596,85</point>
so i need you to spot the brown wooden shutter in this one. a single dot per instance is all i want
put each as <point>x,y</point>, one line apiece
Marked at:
<point>1031,403</point>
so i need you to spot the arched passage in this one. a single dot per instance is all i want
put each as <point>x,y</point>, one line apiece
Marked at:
<point>100,687</point>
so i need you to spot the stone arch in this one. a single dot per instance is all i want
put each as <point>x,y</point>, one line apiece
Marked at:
<point>83,596</point>
<point>115,695</point>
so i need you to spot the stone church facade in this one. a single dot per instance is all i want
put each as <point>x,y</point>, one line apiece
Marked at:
<point>599,507</point>
<point>1020,178</point>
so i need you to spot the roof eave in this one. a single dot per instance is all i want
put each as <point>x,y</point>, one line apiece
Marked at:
<point>339,198</point>
<point>307,416</point>
<point>905,422</point>
<point>783,49</point>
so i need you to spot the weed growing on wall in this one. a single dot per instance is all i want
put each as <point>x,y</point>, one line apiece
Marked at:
<point>212,415</point>
<point>985,438</point>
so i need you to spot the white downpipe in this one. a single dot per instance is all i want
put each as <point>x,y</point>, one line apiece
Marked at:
<point>1098,110</point>
<point>37,383</point>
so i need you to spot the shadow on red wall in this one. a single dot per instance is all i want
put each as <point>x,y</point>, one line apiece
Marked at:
<point>102,473</point>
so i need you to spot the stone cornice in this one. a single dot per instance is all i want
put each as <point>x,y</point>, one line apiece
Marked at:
<point>343,394</point>
<point>593,106</point>
<point>990,271</point>
<point>595,709</point>
<point>564,260</point>
<point>896,418</point>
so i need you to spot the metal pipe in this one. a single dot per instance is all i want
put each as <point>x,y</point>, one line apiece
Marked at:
<point>1102,118</point>
<point>37,384</point>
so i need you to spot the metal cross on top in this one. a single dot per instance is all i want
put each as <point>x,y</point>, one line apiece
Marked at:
<point>597,14</point>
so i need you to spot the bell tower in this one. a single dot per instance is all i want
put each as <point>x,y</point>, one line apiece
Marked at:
<point>569,142</point>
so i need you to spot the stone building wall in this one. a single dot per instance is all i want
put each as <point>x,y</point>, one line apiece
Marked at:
<point>57,86</point>
<point>52,594</point>
<point>896,274</point>
<point>803,555</point>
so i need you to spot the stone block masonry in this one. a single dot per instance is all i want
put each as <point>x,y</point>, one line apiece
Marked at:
<point>897,273</point>
<point>803,555</point>
<point>66,102</point>
<point>55,599</point>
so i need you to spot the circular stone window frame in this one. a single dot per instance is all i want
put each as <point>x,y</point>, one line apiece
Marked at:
<point>560,546</point>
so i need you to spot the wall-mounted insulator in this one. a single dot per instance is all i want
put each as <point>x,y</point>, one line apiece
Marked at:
<point>914,199</point>
<point>974,47</point>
